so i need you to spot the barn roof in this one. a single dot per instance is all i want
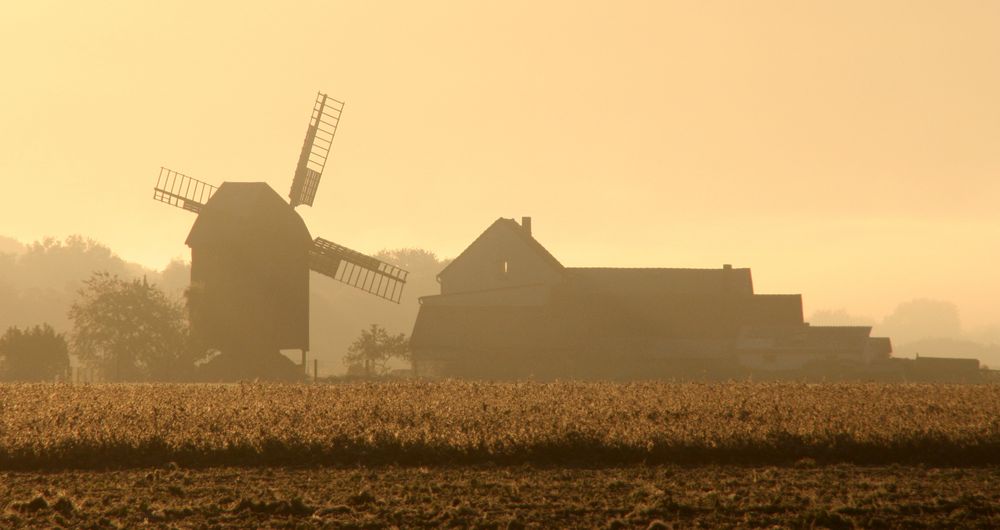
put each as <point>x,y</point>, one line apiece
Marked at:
<point>626,281</point>
<point>842,338</point>
<point>662,281</point>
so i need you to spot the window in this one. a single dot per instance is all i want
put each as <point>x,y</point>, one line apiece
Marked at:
<point>503,268</point>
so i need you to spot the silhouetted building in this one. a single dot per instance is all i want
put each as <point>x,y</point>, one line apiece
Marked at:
<point>944,369</point>
<point>508,308</point>
<point>249,292</point>
<point>251,254</point>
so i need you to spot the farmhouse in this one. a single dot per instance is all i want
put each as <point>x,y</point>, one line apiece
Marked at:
<point>509,308</point>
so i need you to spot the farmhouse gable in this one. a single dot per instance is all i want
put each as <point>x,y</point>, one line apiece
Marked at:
<point>504,256</point>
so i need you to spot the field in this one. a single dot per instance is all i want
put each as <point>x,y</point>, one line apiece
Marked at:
<point>838,496</point>
<point>501,454</point>
<point>452,422</point>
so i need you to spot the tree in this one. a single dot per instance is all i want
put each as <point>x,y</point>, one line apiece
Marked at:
<point>341,313</point>
<point>375,347</point>
<point>176,276</point>
<point>9,245</point>
<point>415,260</point>
<point>33,354</point>
<point>131,330</point>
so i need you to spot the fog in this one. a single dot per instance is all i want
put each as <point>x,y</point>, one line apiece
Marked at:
<point>39,281</point>
<point>925,327</point>
<point>845,150</point>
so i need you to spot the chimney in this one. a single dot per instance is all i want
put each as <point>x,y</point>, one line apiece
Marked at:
<point>526,224</point>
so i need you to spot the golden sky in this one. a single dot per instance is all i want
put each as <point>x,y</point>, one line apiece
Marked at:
<point>847,150</point>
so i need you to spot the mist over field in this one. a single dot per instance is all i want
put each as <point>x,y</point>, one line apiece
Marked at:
<point>560,264</point>
<point>39,281</point>
<point>925,327</point>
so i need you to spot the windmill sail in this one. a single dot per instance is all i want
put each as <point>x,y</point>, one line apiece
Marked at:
<point>357,270</point>
<point>315,149</point>
<point>182,191</point>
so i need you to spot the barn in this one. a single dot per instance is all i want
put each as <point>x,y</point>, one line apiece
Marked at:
<point>509,309</point>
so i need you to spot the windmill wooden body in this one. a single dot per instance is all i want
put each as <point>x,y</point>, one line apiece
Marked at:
<point>251,254</point>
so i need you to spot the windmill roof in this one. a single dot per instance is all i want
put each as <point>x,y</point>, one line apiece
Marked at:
<point>242,209</point>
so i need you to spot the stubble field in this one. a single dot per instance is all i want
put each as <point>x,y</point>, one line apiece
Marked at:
<point>500,455</point>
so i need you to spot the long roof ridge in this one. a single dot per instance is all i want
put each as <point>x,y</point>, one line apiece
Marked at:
<point>658,268</point>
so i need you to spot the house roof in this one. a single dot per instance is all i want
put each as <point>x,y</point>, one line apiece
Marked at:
<point>630,280</point>
<point>510,224</point>
<point>661,281</point>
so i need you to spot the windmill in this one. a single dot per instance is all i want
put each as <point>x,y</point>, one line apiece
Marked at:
<point>251,254</point>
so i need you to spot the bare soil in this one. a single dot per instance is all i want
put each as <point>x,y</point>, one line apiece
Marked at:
<point>663,496</point>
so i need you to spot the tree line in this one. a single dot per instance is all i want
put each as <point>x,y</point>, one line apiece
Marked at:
<point>127,323</point>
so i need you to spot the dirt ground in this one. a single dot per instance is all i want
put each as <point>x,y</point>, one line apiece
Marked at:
<point>803,495</point>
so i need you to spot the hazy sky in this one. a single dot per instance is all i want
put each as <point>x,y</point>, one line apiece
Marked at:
<point>847,150</point>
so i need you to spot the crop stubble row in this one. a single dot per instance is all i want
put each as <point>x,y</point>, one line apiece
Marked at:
<point>45,425</point>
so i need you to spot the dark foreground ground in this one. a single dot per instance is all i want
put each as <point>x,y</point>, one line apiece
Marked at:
<point>801,495</point>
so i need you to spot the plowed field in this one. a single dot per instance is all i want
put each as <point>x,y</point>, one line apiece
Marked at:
<point>500,455</point>
<point>841,496</point>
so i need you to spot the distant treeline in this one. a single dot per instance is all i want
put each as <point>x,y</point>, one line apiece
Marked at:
<point>40,281</point>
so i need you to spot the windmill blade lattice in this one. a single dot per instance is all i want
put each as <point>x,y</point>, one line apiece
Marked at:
<point>315,149</point>
<point>357,270</point>
<point>182,191</point>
